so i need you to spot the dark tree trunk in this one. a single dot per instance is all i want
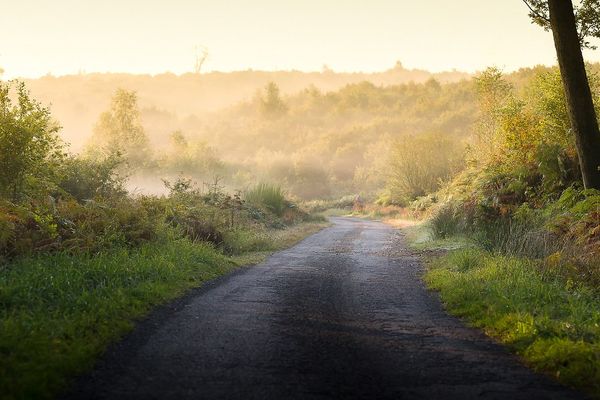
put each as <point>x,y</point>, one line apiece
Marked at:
<point>577,90</point>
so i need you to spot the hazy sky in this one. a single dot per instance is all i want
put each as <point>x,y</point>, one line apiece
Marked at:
<point>152,36</point>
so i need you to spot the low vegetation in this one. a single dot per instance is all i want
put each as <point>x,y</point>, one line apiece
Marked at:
<point>59,311</point>
<point>81,257</point>
<point>551,321</point>
<point>520,234</point>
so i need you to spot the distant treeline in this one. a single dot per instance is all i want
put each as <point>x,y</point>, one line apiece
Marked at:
<point>77,100</point>
<point>362,137</point>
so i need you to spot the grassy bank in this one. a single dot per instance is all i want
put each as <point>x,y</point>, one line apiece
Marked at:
<point>529,305</point>
<point>280,239</point>
<point>58,312</point>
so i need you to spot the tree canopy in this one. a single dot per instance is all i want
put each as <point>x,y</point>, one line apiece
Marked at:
<point>587,18</point>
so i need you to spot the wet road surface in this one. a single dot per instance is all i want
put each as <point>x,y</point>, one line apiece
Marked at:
<point>343,314</point>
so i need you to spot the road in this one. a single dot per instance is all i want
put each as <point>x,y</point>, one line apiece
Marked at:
<point>343,314</point>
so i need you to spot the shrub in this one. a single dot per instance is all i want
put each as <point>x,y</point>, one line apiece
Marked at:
<point>29,143</point>
<point>509,236</point>
<point>420,164</point>
<point>197,229</point>
<point>87,179</point>
<point>120,130</point>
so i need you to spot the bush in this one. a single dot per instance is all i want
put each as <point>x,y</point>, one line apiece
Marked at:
<point>29,143</point>
<point>25,229</point>
<point>419,165</point>
<point>196,229</point>
<point>512,237</point>
<point>87,179</point>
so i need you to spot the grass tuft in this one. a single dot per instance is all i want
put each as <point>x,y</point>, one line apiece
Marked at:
<point>268,195</point>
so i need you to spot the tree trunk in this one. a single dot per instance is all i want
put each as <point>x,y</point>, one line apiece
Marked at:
<point>577,90</point>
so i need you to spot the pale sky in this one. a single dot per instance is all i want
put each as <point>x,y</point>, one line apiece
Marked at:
<point>151,36</point>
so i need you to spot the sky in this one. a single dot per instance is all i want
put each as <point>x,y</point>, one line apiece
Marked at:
<point>61,37</point>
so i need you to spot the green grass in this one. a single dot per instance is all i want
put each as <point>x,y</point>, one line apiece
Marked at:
<point>280,239</point>
<point>552,323</point>
<point>58,312</point>
<point>420,237</point>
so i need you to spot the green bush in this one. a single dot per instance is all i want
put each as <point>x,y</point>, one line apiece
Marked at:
<point>420,164</point>
<point>512,237</point>
<point>88,179</point>
<point>29,143</point>
<point>446,221</point>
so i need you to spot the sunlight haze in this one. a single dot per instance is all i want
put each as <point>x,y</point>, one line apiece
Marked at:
<point>153,36</point>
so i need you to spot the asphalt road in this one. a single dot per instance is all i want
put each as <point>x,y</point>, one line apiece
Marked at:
<point>343,314</point>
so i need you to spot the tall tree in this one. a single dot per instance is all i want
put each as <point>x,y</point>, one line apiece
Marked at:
<point>570,29</point>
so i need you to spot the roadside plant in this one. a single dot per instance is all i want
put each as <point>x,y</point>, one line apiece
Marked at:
<point>30,147</point>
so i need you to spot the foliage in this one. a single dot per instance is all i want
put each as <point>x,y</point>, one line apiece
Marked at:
<point>272,106</point>
<point>519,196</point>
<point>87,178</point>
<point>419,165</point>
<point>587,17</point>
<point>190,157</point>
<point>446,222</point>
<point>29,143</point>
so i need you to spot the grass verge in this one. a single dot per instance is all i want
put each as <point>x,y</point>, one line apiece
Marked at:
<point>278,240</point>
<point>549,321</point>
<point>58,312</point>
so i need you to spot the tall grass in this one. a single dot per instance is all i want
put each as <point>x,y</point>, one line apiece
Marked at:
<point>269,196</point>
<point>515,238</point>
<point>445,222</point>
<point>505,235</point>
